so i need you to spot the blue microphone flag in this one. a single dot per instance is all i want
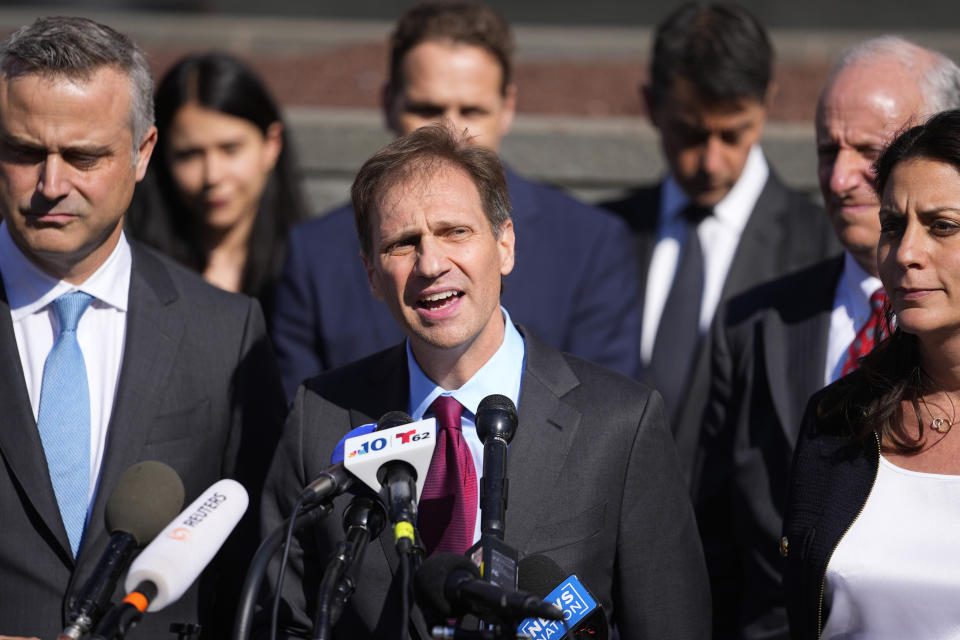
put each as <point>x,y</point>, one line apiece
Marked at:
<point>575,602</point>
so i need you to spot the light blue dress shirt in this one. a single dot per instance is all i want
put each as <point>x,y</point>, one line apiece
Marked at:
<point>501,374</point>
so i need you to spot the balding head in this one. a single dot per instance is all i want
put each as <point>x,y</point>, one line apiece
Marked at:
<point>876,89</point>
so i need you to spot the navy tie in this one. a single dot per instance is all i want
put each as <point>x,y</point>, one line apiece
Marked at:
<point>64,417</point>
<point>678,335</point>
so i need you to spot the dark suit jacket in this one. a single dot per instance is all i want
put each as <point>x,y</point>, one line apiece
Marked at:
<point>830,481</point>
<point>769,356</point>
<point>785,232</point>
<point>198,390</point>
<point>568,284</point>
<point>594,484</point>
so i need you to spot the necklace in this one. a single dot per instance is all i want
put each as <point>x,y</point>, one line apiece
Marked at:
<point>938,424</point>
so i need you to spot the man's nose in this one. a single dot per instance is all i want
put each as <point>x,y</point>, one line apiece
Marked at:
<point>53,183</point>
<point>847,171</point>
<point>432,260</point>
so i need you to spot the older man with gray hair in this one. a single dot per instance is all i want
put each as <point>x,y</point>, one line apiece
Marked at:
<point>114,355</point>
<point>775,345</point>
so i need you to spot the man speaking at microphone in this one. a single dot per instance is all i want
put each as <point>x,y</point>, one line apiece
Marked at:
<point>594,478</point>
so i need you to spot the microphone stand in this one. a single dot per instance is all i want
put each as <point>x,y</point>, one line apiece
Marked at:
<point>363,520</point>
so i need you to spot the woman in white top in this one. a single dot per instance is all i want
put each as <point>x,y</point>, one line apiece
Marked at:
<point>872,531</point>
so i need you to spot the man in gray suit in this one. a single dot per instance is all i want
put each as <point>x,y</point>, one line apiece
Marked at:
<point>775,345</point>
<point>594,481</point>
<point>721,220</point>
<point>113,354</point>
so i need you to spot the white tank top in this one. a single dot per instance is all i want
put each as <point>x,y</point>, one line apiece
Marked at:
<point>896,572</point>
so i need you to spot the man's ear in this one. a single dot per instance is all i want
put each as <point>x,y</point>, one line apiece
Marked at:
<point>505,243</point>
<point>144,151</point>
<point>371,276</point>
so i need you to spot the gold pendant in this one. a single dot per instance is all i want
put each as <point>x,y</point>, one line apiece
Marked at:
<point>940,425</point>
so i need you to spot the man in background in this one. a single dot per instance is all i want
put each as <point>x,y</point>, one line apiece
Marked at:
<point>777,344</point>
<point>720,221</point>
<point>571,286</point>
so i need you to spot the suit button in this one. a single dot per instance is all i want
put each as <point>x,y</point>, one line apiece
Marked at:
<point>784,546</point>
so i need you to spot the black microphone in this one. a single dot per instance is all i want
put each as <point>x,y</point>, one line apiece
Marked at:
<point>147,496</point>
<point>449,585</point>
<point>496,424</point>
<point>398,478</point>
<point>363,520</point>
<point>585,618</point>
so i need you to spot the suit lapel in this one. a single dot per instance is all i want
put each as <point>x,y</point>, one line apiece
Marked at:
<point>154,329</point>
<point>753,260</point>
<point>545,431</point>
<point>794,345</point>
<point>20,444</point>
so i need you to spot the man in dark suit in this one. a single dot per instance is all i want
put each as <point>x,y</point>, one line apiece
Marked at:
<point>114,355</point>
<point>777,344</point>
<point>593,475</point>
<point>721,220</point>
<point>453,61</point>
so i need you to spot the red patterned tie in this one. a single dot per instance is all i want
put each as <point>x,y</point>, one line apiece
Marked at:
<point>869,334</point>
<point>448,504</point>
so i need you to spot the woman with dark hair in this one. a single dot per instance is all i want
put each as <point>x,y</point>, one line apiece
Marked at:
<point>221,193</point>
<point>872,526</point>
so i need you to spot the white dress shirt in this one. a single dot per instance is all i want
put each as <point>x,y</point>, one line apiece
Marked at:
<point>719,236</point>
<point>851,309</point>
<point>100,333</point>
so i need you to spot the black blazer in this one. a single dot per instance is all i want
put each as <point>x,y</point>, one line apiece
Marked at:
<point>769,349</point>
<point>594,484</point>
<point>199,390</point>
<point>785,232</point>
<point>830,481</point>
<point>568,284</point>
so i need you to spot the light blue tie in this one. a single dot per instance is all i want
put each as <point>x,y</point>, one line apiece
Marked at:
<point>64,417</point>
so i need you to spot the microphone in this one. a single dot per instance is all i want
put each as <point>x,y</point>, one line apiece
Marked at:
<point>144,499</point>
<point>394,460</point>
<point>335,479</point>
<point>496,424</point>
<point>363,520</point>
<point>585,619</point>
<point>449,585</point>
<point>174,560</point>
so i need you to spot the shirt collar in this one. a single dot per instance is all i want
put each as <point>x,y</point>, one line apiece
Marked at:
<point>736,206</point>
<point>30,289</point>
<point>501,374</point>
<point>857,281</point>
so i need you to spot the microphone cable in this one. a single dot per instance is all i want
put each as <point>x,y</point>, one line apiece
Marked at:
<point>284,556</point>
<point>261,559</point>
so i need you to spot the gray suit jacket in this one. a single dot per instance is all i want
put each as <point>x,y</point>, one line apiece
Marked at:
<point>769,357</point>
<point>785,232</point>
<point>198,390</point>
<point>594,484</point>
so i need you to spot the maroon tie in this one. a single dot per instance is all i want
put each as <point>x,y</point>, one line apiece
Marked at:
<point>448,504</point>
<point>869,334</point>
